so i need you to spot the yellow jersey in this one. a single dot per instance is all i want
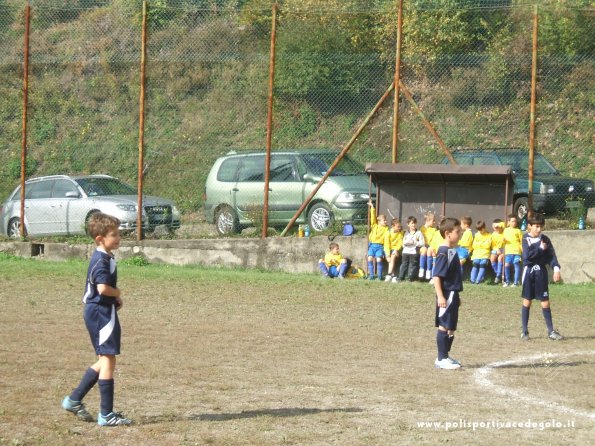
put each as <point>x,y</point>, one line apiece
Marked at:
<point>331,259</point>
<point>482,245</point>
<point>437,241</point>
<point>428,233</point>
<point>393,241</point>
<point>466,240</point>
<point>497,240</point>
<point>377,232</point>
<point>513,239</point>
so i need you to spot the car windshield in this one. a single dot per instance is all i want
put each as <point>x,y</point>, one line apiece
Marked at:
<point>520,163</point>
<point>97,186</point>
<point>319,163</point>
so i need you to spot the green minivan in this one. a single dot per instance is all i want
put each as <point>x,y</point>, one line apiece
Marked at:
<point>234,192</point>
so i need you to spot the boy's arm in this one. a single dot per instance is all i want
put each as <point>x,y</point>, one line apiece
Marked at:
<point>387,246</point>
<point>373,220</point>
<point>439,293</point>
<point>420,240</point>
<point>554,264</point>
<point>108,290</point>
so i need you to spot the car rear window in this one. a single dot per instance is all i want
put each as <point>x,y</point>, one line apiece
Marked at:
<point>228,169</point>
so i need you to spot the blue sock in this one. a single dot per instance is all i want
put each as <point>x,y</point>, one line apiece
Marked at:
<point>343,269</point>
<point>442,344</point>
<point>87,382</point>
<point>507,273</point>
<point>422,261</point>
<point>450,341</point>
<point>430,263</point>
<point>500,266</point>
<point>473,274</point>
<point>106,392</point>
<point>370,268</point>
<point>547,315</point>
<point>379,268</point>
<point>517,272</point>
<point>495,268</point>
<point>525,318</point>
<point>481,273</point>
<point>323,268</point>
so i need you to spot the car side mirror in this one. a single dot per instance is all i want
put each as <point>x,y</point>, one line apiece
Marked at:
<point>308,177</point>
<point>72,194</point>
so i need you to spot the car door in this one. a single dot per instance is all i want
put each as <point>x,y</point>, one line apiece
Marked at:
<point>285,191</point>
<point>72,207</point>
<point>41,213</point>
<point>248,193</point>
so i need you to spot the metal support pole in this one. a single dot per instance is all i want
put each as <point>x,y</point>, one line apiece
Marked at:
<point>267,164</point>
<point>141,126</point>
<point>427,123</point>
<point>339,158</point>
<point>533,106</point>
<point>25,109</point>
<point>397,80</point>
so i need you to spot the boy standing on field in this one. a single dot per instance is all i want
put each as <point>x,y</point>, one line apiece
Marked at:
<point>448,282</point>
<point>538,252</point>
<point>102,300</point>
<point>378,231</point>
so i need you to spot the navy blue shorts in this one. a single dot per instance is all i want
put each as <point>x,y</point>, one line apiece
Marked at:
<point>103,327</point>
<point>449,316</point>
<point>535,283</point>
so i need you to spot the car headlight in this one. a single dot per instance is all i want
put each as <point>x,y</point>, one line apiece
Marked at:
<point>176,212</point>
<point>589,188</point>
<point>547,189</point>
<point>127,207</point>
<point>351,196</point>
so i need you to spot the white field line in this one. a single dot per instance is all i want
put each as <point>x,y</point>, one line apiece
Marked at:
<point>482,377</point>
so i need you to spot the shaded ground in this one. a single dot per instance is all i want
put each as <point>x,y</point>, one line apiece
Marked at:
<point>237,357</point>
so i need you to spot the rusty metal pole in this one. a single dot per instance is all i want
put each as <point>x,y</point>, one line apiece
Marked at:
<point>397,80</point>
<point>267,163</point>
<point>25,109</point>
<point>339,158</point>
<point>141,125</point>
<point>533,106</point>
<point>427,123</point>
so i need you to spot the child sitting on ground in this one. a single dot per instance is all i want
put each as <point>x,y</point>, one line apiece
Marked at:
<point>393,243</point>
<point>333,264</point>
<point>482,244</point>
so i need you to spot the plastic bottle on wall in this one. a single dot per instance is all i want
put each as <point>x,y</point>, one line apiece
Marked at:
<point>306,231</point>
<point>581,223</point>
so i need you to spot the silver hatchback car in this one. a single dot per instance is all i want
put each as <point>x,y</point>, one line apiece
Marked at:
<point>62,205</point>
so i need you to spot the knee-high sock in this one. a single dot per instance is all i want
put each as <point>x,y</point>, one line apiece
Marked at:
<point>451,339</point>
<point>525,318</point>
<point>517,272</point>
<point>323,268</point>
<point>473,277</point>
<point>430,263</point>
<point>500,266</point>
<point>507,273</point>
<point>370,268</point>
<point>106,392</point>
<point>343,269</point>
<point>422,261</point>
<point>547,315</point>
<point>87,382</point>
<point>442,344</point>
<point>481,273</point>
<point>495,267</point>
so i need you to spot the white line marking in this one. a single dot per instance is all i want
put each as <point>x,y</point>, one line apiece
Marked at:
<point>482,377</point>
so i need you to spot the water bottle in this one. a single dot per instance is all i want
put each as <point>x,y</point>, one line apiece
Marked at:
<point>581,223</point>
<point>524,224</point>
<point>306,231</point>
<point>300,231</point>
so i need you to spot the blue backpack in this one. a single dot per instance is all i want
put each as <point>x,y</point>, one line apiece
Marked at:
<point>348,229</point>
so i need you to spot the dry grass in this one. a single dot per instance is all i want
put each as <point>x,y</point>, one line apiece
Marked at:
<point>235,357</point>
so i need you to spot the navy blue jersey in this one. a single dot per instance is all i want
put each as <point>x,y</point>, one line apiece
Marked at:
<point>448,267</point>
<point>533,254</point>
<point>102,270</point>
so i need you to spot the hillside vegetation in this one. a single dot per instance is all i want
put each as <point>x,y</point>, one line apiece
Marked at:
<point>468,67</point>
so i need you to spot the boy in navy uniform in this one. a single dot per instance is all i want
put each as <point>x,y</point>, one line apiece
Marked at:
<point>102,299</point>
<point>448,282</point>
<point>538,252</point>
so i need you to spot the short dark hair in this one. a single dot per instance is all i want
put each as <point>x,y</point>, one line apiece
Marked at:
<point>535,218</point>
<point>411,218</point>
<point>480,225</point>
<point>467,220</point>
<point>100,224</point>
<point>511,216</point>
<point>333,245</point>
<point>448,225</point>
<point>497,220</point>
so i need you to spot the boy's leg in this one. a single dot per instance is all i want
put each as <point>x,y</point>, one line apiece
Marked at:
<point>422,261</point>
<point>483,263</point>
<point>343,268</point>
<point>429,263</point>
<point>517,269</point>
<point>442,343</point>
<point>404,266</point>
<point>507,261</point>
<point>379,267</point>
<point>73,402</point>
<point>474,270</point>
<point>371,267</point>
<point>107,416</point>
<point>323,268</point>
<point>525,318</point>
<point>413,264</point>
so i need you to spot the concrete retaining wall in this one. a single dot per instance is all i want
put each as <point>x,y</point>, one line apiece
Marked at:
<point>575,249</point>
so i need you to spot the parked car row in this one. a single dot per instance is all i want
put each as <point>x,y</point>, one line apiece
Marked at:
<point>234,193</point>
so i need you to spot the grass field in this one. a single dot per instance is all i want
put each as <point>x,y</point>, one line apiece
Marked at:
<point>222,357</point>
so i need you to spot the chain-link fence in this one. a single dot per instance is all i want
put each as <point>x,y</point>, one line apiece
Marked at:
<point>467,66</point>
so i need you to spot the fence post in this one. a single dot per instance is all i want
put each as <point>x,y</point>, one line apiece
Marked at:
<point>397,79</point>
<point>24,124</point>
<point>267,163</point>
<point>532,117</point>
<point>141,125</point>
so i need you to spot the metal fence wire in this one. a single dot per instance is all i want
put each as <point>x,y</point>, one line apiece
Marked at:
<point>466,71</point>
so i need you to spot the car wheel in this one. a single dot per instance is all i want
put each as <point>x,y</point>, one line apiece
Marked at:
<point>320,217</point>
<point>13,229</point>
<point>226,221</point>
<point>521,207</point>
